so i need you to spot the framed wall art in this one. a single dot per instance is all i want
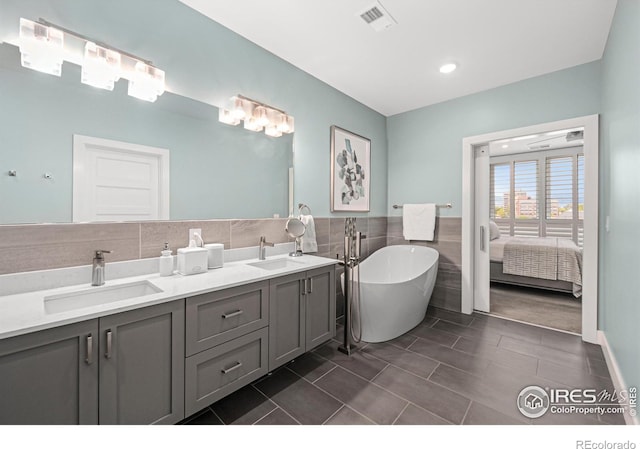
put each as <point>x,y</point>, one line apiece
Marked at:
<point>350,171</point>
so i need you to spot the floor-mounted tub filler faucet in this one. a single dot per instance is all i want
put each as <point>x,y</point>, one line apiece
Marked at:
<point>97,273</point>
<point>263,244</point>
<point>351,262</point>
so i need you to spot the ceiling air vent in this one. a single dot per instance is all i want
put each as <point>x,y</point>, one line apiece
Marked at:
<point>377,17</point>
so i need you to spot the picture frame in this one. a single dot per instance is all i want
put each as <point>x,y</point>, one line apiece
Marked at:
<point>350,171</point>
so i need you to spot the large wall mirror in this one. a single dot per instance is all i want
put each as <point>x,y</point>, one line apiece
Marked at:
<point>216,170</point>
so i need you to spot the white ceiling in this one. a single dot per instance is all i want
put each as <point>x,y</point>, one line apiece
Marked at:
<point>494,42</point>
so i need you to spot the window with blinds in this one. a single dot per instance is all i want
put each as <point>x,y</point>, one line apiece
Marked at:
<point>500,189</point>
<point>539,194</point>
<point>525,194</point>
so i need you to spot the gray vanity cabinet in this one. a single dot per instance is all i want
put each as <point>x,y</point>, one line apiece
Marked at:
<point>226,342</point>
<point>320,306</point>
<point>302,313</point>
<point>51,376</point>
<point>142,365</point>
<point>287,319</point>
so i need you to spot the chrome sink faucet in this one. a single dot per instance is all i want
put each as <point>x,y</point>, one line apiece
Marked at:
<point>263,244</point>
<point>97,274</point>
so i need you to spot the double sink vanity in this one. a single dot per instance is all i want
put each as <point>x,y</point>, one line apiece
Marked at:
<point>154,350</point>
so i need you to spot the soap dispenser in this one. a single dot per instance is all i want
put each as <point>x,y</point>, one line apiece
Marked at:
<point>166,261</point>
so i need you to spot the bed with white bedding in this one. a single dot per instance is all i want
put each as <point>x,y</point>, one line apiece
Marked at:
<point>542,262</point>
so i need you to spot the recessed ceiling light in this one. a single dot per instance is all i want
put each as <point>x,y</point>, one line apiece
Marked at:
<point>448,68</point>
<point>505,146</point>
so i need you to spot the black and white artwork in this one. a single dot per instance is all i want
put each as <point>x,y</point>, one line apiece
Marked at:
<point>350,171</point>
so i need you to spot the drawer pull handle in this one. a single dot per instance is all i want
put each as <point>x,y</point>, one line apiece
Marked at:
<point>89,358</point>
<point>310,286</point>
<point>232,314</point>
<point>304,286</point>
<point>109,342</point>
<point>233,368</point>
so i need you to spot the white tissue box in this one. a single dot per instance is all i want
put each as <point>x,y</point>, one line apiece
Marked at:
<point>216,254</point>
<point>192,260</point>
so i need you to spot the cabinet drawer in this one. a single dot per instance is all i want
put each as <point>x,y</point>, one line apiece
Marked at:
<point>218,317</point>
<point>210,375</point>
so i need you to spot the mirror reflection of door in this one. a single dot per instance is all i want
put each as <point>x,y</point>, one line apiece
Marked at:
<point>118,181</point>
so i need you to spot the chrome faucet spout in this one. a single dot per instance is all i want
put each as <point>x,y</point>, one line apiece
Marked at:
<point>97,273</point>
<point>263,244</point>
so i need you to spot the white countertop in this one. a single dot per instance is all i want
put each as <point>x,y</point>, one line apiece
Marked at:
<point>25,312</point>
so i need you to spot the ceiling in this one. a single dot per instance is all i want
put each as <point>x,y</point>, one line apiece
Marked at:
<point>494,42</point>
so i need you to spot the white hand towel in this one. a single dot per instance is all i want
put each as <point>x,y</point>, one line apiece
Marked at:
<point>419,221</point>
<point>308,242</point>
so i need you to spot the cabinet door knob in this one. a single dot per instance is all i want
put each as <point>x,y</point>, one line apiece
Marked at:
<point>89,358</point>
<point>109,343</point>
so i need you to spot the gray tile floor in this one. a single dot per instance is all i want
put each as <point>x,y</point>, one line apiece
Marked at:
<point>450,369</point>
<point>536,306</point>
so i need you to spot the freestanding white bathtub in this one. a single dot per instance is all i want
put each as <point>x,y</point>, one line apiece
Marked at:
<point>396,283</point>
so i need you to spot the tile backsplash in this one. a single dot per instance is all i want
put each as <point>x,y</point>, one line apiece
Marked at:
<point>25,248</point>
<point>47,246</point>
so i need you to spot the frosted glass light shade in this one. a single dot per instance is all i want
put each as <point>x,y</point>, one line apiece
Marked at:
<point>41,47</point>
<point>147,82</point>
<point>252,124</point>
<point>285,124</point>
<point>100,67</point>
<point>261,116</point>
<point>272,130</point>
<point>225,116</point>
<point>238,108</point>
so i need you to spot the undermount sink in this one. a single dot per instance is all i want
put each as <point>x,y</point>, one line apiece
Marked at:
<point>97,296</point>
<point>276,264</point>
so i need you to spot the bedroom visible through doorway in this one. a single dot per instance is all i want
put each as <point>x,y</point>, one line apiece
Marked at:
<point>536,228</point>
<point>565,231</point>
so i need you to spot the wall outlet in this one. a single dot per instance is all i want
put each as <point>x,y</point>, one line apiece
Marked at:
<point>192,237</point>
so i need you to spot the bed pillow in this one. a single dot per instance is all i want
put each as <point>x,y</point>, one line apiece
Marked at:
<point>494,231</point>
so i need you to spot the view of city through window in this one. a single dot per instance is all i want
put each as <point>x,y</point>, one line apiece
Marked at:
<point>518,186</point>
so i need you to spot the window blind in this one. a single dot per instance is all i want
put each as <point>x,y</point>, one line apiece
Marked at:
<point>525,192</point>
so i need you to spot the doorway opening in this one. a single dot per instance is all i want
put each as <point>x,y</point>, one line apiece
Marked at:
<point>530,239</point>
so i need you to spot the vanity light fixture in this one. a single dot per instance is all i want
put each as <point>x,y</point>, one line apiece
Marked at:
<point>45,46</point>
<point>41,47</point>
<point>257,116</point>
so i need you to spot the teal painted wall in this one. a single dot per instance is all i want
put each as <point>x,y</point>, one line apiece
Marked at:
<point>207,62</point>
<point>620,196</point>
<point>425,145</point>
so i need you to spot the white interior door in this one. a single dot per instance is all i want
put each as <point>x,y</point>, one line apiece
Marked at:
<point>116,181</point>
<point>481,281</point>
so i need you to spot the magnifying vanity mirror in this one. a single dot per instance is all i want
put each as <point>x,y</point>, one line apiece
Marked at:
<point>296,229</point>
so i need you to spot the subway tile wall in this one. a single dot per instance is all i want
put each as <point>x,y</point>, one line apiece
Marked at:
<point>47,246</point>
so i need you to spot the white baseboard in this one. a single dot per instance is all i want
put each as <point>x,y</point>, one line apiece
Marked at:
<point>616,376</point>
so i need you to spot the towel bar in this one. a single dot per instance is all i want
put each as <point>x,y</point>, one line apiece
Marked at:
<point>446,206</point>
